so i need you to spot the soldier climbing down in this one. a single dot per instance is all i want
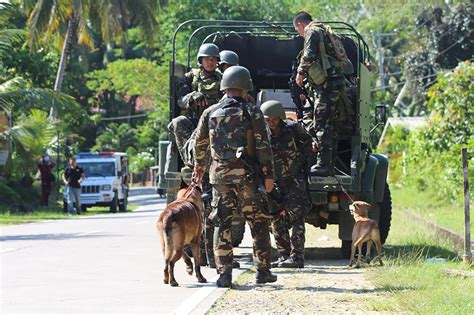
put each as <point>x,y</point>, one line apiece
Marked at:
<point>322,64</point>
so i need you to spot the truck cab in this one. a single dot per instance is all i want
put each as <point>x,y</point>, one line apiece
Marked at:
<point>269,50</point>
<point>106,180</point>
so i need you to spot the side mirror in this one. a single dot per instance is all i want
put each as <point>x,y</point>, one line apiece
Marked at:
<point>380,114</point>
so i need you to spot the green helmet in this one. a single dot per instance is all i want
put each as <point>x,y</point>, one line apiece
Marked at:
<point>208,50</point>
<point>229,57</point>
<point>237,77</point>
<point>273,109</point>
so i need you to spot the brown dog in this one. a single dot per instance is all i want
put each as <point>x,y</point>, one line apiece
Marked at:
<point>365,230</point>
<point>181,224</point>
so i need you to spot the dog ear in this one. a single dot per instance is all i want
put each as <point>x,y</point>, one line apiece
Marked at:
<point>183,184</point>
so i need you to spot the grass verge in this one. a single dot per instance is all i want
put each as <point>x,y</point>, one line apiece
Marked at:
<point>447,214</point>
<point>415,285</point>
<point>53,212</point>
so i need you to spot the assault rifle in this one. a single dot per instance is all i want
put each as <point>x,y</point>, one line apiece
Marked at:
<point>296,91</point>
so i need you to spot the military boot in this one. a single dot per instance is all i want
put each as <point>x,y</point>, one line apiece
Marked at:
<point>265,276</point>
<point>225,280</point>
<point>322,170</point>
<point>292,262</point>
<point>279,260</point>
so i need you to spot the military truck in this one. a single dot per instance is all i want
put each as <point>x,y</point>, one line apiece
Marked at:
<point>269,50</point>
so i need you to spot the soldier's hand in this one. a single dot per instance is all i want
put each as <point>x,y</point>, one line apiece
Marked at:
<point>249,98</point>
<point>299,79</point>
<point>269,182</point>
<point>315,147</point>
<point>199,99</point>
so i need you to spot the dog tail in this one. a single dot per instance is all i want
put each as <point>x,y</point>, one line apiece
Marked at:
<point>167,237</point>
<point>356,243</point>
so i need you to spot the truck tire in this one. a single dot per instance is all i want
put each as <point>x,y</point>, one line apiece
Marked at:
<point>346,249</point>
<point>238,231</point>
<point>64,205</point>
<point>385,213</point>
<point>113,204</point>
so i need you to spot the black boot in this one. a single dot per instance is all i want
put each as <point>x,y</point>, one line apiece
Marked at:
<point>265,276</point>
<point>322,170</point>
<point>279,260</point>
<point>224,281</point>
<point>292,262</point>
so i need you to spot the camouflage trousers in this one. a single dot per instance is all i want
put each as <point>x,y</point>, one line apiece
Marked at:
<point>226,200</point>
<point>206,245</point>
<point>182,133</point>
<point>296,204</point>
<point>325,123</point>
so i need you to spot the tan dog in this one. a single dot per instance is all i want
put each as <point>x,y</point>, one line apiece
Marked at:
<point>365,230</point>
<point>181,224</point>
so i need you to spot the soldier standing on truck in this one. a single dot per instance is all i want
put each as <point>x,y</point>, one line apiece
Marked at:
<point>198,90</point>
<point>322,69</point>
<point>226,129</point>
<point>292,155</point>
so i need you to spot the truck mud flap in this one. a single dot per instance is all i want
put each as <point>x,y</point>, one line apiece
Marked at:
<point>380,177</point>
<point>368,177</point>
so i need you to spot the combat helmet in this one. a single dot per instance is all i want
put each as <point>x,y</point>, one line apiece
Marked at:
<point>273,109</point>
<point>237,77</point>
<point>229,57</point>
<point>208,50</point>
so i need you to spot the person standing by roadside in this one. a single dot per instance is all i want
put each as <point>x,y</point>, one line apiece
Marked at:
<point>45,167</point>
<point>72,178</point>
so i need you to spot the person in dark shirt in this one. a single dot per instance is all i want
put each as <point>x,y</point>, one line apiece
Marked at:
<point>73,176</point>
<point>45,166</point>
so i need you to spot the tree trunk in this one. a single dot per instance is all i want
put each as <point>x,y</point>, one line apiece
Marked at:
<point>63,61</point>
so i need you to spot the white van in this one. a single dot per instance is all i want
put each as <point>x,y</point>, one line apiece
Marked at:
<point>106,180</point>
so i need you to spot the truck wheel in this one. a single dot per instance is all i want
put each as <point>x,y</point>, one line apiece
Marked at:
<point>113,204</point>
<point>385,213</point>
<point>65,205</point>
<point>238,231</point>
<point>346,249</point>
<point>123,205</point>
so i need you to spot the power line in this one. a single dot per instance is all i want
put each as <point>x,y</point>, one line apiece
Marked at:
<point>123,117</point>
<point>403,82</point>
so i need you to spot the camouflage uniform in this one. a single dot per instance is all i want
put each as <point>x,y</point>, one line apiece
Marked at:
<point>329,95</point>
<point>292,156</point>
<point>223,128</point>
<point>182,127</point>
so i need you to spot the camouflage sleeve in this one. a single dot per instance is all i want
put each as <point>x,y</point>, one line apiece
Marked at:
<point>310,50</point>
<point>201,145</point>
<point>263,149</point>
<point>185,90</point>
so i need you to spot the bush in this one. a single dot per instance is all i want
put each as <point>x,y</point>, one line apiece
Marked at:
<point>429,159</point>
<point>141,162</point>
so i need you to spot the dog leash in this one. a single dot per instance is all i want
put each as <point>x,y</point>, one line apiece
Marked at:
<point>342,187</point>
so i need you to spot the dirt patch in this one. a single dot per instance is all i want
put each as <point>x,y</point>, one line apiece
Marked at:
<point>325,285</point>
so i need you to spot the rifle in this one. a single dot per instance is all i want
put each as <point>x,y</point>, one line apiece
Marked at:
<point>296,91</point>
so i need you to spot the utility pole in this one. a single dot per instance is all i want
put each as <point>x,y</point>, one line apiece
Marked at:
<point>467,220</point>
<point>381,60</point>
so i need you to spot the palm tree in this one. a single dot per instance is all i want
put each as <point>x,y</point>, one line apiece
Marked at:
<point>59,20</point>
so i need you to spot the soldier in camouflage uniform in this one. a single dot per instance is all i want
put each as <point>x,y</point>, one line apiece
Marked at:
<point>198,90</point>
<point>292,155</point>
<point>328,83</point>
<point>229,129</point>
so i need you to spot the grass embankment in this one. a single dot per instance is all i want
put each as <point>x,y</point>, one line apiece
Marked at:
<point>413,284</point>
<point>444,213</point>
<point>53,212</point>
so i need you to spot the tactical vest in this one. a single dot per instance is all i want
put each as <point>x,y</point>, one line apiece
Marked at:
<point>332,54</point>
<point>228,127</point>
<point>209,86</point>
<point>287,155</point>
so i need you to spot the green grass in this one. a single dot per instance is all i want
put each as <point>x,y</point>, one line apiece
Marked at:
<point>53,212</point>
<point>415,285</point>
<point>446,214</point>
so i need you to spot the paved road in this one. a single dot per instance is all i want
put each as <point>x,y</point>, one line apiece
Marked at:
<point>101,264</point>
